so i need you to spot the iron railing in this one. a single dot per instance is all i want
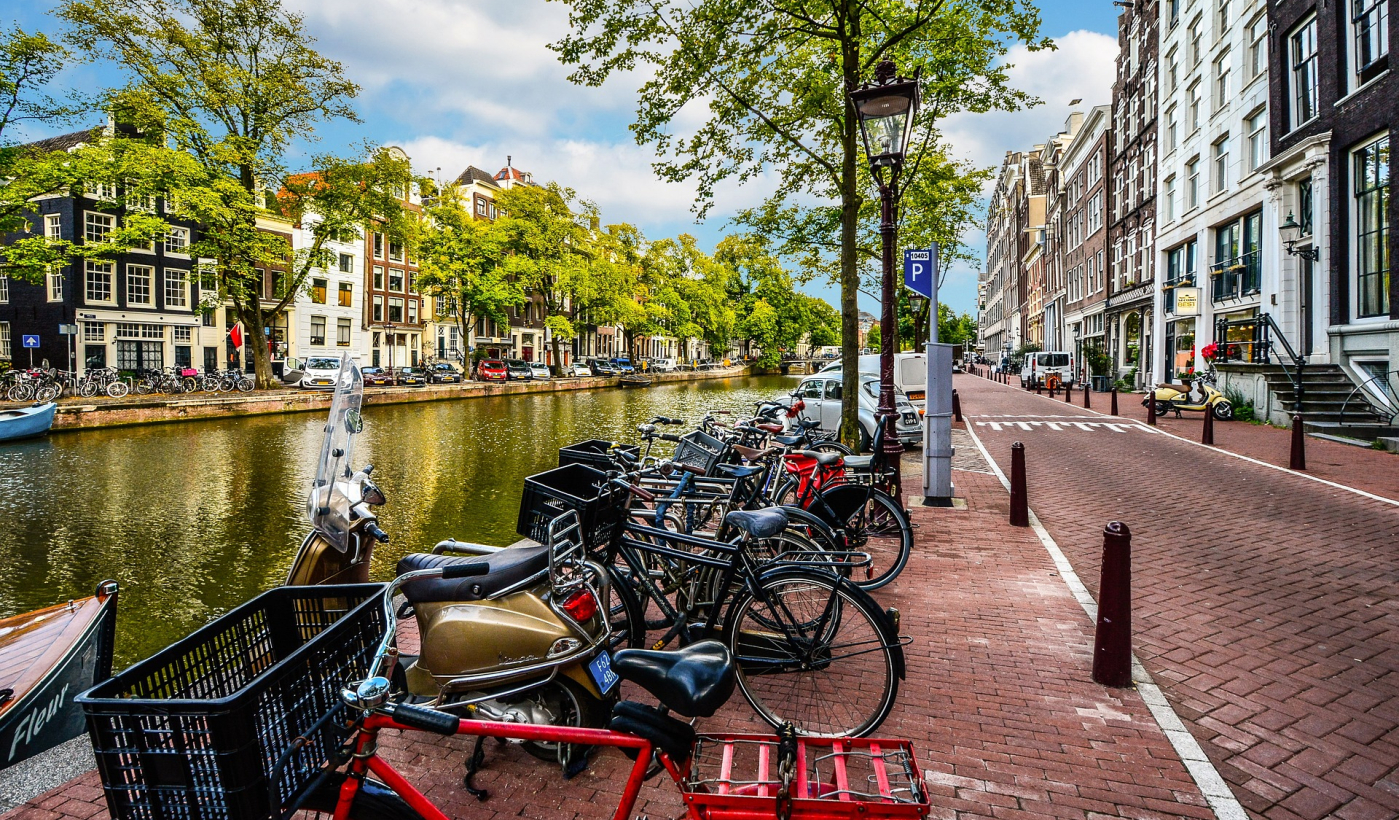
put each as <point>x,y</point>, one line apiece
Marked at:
<point>1257,348</point>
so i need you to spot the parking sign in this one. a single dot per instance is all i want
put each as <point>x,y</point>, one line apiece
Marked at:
<point>921,270</point>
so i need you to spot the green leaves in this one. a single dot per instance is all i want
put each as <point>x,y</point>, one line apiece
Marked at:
<point>460,263</point>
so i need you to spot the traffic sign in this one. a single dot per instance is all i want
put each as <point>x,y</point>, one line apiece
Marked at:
<point>921,271</point>
<point>68,330</point>
<point>30,341</point>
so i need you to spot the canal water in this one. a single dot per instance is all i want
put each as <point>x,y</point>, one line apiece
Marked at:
<point>197,517</point>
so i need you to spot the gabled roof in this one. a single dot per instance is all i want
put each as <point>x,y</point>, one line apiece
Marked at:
<point>473,174</point>
<point>66,142</point>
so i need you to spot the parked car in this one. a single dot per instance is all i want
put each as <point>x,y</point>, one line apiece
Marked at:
<point>539,371</point>
<point>517,370</point>
<point>411,377</point>
<point>319,372</point>
<point>822,395</point>
<point>444,373</point>
<point>662,365</point>
<point>580,368</point>
<point>910,373</point>
<point>1037,367</point>
<point>491,370</point>
<point>623,366</point>
<point>602,367</point>
<point>376,376</point>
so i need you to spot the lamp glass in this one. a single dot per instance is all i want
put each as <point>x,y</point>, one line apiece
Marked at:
<point>1289,230</point>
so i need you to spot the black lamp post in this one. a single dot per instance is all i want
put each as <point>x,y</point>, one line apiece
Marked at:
<point>1291,232</point>
<point>388,333</point>
<point>886,109</point>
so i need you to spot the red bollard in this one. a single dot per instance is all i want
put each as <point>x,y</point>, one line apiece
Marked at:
<point>1297,460</point>
<point>1087,390</point>
<point>1112,640</point>
<point>1207,434</point>
<point>1114,400</point>
<point>1019,502</point>
<point>1151,408</point>
<point>956,406</point>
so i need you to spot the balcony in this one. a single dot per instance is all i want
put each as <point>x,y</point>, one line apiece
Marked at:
<point>1236,278</point>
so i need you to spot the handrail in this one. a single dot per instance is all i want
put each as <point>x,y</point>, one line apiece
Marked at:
<point>1298,362</point>
<point>1387,387</point>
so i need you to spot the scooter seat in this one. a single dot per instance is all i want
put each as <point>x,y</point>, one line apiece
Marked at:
<point>694,680</point>
<point>1179,388</point>
<point>508,567</point>
<point>824,459</point>
<point>858,464</point>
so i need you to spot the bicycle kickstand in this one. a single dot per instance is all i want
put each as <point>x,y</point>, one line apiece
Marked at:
<point>478,756</point>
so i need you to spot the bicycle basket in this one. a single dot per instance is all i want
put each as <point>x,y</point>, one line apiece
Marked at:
<point>194,730</point>
<point>593,453</point>
<point>699,450</point>
<point>550,494</point>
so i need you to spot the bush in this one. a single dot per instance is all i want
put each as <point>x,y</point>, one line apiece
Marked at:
<point>1243,407</point>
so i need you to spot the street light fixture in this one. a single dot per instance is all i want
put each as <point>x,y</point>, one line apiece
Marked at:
<point>389,337</point>
<point>886,109</point>
<point>1291,232</point>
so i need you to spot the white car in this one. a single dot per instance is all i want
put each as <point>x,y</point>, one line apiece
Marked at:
<point>538,371</point>
<point>662,365</point>
<point>319,372</point>
<point>910,373</point>
<point>822,396</point>
<point>580,369</point>
<point>1038,367</point>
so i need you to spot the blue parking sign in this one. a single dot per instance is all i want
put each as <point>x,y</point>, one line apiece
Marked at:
<point>30,341</point>
<point>921,270</point>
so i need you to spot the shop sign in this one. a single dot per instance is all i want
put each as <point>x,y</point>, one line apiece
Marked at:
<point>1187,302</point>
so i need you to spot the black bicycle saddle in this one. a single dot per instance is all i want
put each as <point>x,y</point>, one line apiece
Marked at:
<point>694,680</point>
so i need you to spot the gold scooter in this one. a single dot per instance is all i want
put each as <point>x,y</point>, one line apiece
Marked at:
<point>1200,394</point>
<point>527,642</point>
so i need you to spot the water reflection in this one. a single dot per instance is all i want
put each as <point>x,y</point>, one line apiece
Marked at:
<point>195,518</point>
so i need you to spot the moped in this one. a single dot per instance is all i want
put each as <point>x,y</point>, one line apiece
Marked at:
<point>1200,395</point>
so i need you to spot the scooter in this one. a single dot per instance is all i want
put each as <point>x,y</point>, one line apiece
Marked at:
<point>1200,394</point>
<point>527,642</point>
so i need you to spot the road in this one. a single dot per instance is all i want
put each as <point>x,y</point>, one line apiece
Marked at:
<point>1263,601</point>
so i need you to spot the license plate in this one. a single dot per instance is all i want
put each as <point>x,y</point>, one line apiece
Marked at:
<point>321,381</point>
<point>916,395</point>
<point>600,668</point>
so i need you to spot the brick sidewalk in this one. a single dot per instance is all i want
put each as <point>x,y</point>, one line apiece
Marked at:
<point>1263,601</point>
<point>998,702</point>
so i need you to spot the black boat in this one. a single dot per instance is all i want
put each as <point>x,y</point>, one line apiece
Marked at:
<point>47,658</point>
<point>634,381</point>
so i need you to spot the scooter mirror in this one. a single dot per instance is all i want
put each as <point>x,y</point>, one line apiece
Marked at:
<point>354,422</point>
<point>373,496</point>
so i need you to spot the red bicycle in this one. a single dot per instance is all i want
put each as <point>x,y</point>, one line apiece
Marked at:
<point>721,777</point>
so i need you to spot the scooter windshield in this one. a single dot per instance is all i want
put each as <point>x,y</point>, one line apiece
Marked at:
<point>328,507</point>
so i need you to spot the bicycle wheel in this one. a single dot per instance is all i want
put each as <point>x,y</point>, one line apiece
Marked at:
<point>87,389</point>
<point>831,447</point>
<point>210,384</point>
<point>18,392</point>
<point>47,393</point>
<point>875,524</point>
<point>816,650</point>
<point>245,384</point>
<point>189,384</point>
<point>625,615</point>
<point>118,389</point>
<point>144,387</point>
<point>373,801</point>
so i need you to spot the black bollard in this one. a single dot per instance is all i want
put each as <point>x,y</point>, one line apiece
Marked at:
<point>1019,502</point>
<point>1297,460</point>
<point>1151,408</point>
<point>1052,385</point>
<point>1039,388</point>
<point>956,406</point>
<point>1112,640</point>
<point>1087,390</point>
<point>1207,434</point>
<point>1114,400</point>
<point>1068,392</point>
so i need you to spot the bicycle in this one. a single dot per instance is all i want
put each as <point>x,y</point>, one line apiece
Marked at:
<point>874,779</point>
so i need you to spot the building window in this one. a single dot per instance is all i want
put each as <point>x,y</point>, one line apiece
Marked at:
<point>378,309</point>
<point>412,311</point>
<point>395,250</point>
<point>4,290</point>
<point>1169,199</point>
<point>177,241</point>
<point>317,331</point>
<point>1192,184</point>
<point>395,280</point>
<point>4,340</point>
<point>96,227</point>
<point>318,291</point>
<point>1372,228</point>
<point>1304,206</point>
<point>98,282</point>
<point>1194,112</point>
<point>1302,50</point>
<point>138,284</point>
<point>346,294</point>
<point>378,246</point>
<point>1257,128</point>
<point>1222,27</point>
<point>1221,81</point>
<point>1256,58</point>
<point>378,277</point>
<point>53,226</point>
<point>347,263</point>
<point>1220,151</point>
<point>182,334</point>
<point>1172,137</point>
<point>1172,73</point>
<point>176,288</point>
<point>94,332</point>
<point>1175,10</point>
<point>1196,52</point>
<point>1370,23</point>
<point>396,310</point>
<point>55,280</point>
<point>101,190</point>
<point>342,332</point>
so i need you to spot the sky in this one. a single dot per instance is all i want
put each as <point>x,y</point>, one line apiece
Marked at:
<point>472,82</point>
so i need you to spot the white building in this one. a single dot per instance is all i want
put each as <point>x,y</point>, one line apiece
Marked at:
<point>326,317</point>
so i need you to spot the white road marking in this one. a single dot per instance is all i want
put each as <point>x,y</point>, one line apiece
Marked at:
<point>1067,426</point>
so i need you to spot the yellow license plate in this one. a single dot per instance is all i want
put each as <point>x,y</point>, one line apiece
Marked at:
<point>916,395</point>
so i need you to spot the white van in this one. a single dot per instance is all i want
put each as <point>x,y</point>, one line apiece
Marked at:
<point>1038,367</point>
<point>910,373</point>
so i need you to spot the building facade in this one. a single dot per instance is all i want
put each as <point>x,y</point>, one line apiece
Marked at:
<point>393,312</point>
<point>1085,212</point>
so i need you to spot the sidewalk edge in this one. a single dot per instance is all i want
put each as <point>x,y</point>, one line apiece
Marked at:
<point>1207,778</point>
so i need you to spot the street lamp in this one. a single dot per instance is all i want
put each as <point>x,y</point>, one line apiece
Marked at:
<point>886,109</point>
<point>388,335</point>
<point>1291,232</point>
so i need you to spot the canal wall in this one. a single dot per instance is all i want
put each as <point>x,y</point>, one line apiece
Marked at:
<point>86,414</point>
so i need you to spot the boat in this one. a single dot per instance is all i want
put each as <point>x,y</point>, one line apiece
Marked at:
<point>47,658</point>
<point>634,381</point>
<point>23,422</point>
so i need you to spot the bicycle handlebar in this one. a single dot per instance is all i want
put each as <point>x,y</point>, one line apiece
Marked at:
<point>428,720</point>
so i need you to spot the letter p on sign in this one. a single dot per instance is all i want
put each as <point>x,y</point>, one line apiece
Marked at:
<point>920,271</point>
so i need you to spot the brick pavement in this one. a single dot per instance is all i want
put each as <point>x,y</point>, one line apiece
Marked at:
<point>1263,602</point>
<point>998,702</point>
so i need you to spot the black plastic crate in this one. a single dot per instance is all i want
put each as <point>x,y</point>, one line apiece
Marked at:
<point>699,450</point>
<point>593,453</point>
<point>194,730</point>
<point>547,495</point>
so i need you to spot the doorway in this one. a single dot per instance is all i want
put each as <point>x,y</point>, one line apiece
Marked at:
<point>1304,305</point>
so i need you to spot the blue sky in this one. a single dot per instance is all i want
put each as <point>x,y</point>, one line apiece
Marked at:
<point>458,82</point>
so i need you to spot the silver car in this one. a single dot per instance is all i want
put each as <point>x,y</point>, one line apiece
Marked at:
<point>822,396</point>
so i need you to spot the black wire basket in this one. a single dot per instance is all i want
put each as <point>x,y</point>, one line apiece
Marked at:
<point>700,451</point>
<point>600,505</point>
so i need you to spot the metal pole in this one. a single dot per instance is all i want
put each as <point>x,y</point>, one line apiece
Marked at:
<point>889,329</point>
<point>941,404</point>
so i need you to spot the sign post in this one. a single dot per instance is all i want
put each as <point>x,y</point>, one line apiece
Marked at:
<point>71,331</point>
<point>921,275</point>
<point>30,341</point>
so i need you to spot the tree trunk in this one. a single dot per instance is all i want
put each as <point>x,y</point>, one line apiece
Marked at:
<point>558,362</point>
<point>849,269</point>
<point>250,314</point>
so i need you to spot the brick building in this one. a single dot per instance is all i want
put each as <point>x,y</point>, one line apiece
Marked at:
<point>393,310</point>
<point>1084,181</point>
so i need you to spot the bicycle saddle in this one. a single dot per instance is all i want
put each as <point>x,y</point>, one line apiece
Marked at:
<point>759,523</point>
<point>694,680</point>
<point>737,470</point>
<point>824,459</point>
<point>508,567</point>
<point>788,440</point>
<point>858,463</point>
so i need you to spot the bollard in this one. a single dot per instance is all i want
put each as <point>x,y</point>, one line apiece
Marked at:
<point>1207,434</point>
<point>1114,400</point>
<point>1051,390</point>
<point>1151,408</point>
<point>1068,392</point>
<point>1087,391</point>
<point>1019,503</point>
<point>956,406</point>
<point>1297,460</point>
<point>1112,640</point>
<point>1039,388</point>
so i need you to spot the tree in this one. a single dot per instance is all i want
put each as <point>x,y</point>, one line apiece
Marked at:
<point>955,328</point>
<point>775,77</point>
<point>231,82</point>
<point>460,263</point>
<point>873,337</point>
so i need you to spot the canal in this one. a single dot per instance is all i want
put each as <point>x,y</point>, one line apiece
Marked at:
<point>194,518</point>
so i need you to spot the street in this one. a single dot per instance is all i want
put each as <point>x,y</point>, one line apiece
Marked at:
<point>1262,600</point>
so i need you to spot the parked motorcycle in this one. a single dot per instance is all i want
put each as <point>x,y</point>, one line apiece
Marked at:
<point>527,642</point>
<point>1200,394</point>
